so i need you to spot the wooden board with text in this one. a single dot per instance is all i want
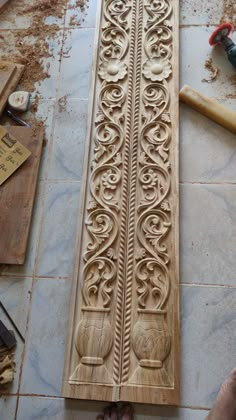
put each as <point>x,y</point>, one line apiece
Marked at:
<point>123,341</point>
<point>17,198</point>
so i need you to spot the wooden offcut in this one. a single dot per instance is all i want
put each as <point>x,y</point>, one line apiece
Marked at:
<point>10,74</point>
<point>17,196</point>
<point>123,341</point>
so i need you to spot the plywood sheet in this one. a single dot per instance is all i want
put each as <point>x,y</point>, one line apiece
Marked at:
<point>123,341</point>
<point>17,198</point>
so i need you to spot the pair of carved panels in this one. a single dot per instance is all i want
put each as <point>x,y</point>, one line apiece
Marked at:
<point>124,324</point>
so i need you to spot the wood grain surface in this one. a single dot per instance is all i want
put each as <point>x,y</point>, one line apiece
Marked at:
<point>17,198</point>
<point>10,74</point>
<point>123,341</point>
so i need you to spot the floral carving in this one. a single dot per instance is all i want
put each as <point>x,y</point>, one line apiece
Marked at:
<point>154,222</point>
<point>113,70</point>
<point>101,268</point>
<point>157,69</point>
<point>127,246</point>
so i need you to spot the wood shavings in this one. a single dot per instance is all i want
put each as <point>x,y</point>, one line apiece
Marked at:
<point>229,12</point>
<point>32,45</point>
<point>214,71</point>
<point>7,366</point>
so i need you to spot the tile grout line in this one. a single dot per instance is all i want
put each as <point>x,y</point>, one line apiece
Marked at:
<point>24,349</point>
<point>216,286</point>
<point>205,183</point>
<point>20,277</point>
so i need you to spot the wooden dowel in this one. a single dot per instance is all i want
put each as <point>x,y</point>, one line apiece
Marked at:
<point>209,107</point>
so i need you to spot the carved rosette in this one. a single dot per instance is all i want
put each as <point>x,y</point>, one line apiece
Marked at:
<point>151,339</point>
<point>99,278</point>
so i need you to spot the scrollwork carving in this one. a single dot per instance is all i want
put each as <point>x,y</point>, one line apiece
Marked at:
<point>124,321</point>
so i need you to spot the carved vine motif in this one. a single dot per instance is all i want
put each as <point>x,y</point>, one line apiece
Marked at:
<point>154,222</point>
<point>106,169</point>
<point>150,211</point>
<point>107,195</point>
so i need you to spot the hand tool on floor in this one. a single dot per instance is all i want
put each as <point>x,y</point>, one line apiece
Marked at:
<point>11,321</point>
<point>19,101</point>
<point>209,107</point>
<point>16,118</point>
<point>6,337</point>
<point>221,37</point>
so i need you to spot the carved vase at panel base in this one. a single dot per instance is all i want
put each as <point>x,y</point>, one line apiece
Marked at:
<point>151,344</point>
<point>93,342</point>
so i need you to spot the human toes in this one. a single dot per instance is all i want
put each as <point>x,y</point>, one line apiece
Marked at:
<point>127,412</point>
<point>111,412</point>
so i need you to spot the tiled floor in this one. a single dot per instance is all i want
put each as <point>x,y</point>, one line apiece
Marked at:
<point>37,295</point>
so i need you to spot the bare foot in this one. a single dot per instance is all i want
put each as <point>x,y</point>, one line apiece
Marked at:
<point>111,412</point>
<point>127,412</point>
<point>224,407</point>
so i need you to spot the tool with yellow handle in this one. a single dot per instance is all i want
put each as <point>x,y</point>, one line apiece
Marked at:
<point>209,107</point>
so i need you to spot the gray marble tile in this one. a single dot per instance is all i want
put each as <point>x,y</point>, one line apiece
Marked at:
<point>12,18</point>
<point>82,17</point>
<point>194,50</point>
<point>17,16</point>
<point>15,296</point>
<point>45,346</point>
<point>194,12</point>
<point>46,88</point>
<point>45,113</point>
<point>76,66</point>
<point>58,236</point>
<point>207,150</point>
<point>27,269</point>
<point>67,154</point>
<point>8,407</point>
<point>59,409</point>
<point>208,323</point>
<point>208,234</point>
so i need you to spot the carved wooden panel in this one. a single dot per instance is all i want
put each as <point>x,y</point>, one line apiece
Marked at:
<point>123,336</point>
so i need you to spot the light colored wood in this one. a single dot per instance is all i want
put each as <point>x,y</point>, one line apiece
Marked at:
<point>123,341</point>
<point>10,74</point>
<point>209,107</point>
<point>17,198</point>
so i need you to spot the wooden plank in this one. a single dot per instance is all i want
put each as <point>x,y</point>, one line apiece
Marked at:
<point>10,74</point>
<point>17,198</point>
<point>150,368</point>
<point>123,341</point>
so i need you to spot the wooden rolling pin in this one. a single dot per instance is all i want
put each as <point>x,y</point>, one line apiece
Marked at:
<point>209,107</point>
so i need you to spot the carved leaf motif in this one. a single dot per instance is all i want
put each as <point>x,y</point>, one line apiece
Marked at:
<point>111,254</point>
<point>92,205</point>
<point>99,275</point>
<point>165,206</point>
<point>100,117</point>
<point>102,230</point>
<point>140,254</point>
<point>166,117</point>
<point>154,284</point>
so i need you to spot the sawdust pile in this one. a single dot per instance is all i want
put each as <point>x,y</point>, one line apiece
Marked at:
<point>214,71</point>
<point>36,43</point>
<point>229,12</point>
